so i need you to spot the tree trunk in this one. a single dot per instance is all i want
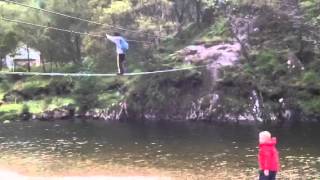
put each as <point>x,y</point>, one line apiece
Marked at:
<point>56,64</point>
<point>78,48</point>
<point>158,39</point>
<point>179,15</point>
<point>1,63</point>
<point>244,49</point>
<point>198,9</point>
<point>28,52</point>
<point>208,15</point>
<point>43,64</point>
<point>51,65</point>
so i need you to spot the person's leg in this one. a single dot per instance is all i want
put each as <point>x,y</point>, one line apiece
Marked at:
<point>262,176</point>
<point>118,63</point>
<point>272,175</point>
<point>122,62</point>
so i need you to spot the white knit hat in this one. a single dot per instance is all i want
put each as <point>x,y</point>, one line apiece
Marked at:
<point>264,136</point>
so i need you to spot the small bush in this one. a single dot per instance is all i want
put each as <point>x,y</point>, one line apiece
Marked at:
<point>84,95</point>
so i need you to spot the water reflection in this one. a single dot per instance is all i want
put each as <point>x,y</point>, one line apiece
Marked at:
<point>194,150</point>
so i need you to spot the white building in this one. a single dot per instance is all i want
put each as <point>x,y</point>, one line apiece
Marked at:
<point>22,56</point>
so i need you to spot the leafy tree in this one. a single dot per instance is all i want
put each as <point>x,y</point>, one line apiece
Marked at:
<point>8,43</point>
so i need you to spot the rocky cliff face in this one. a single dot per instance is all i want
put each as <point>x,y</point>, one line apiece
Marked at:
<point>201,96</point>
<point>212,105</point>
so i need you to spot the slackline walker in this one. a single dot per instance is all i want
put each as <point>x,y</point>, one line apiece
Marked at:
<point>122,46</point>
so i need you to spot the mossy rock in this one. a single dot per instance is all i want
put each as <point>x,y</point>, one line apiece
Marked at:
<point>15,96</point>
<point>6,122</point>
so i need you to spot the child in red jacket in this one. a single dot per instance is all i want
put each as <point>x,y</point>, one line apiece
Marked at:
<point>268,156</point>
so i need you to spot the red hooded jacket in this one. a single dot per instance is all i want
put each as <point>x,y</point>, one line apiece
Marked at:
<point>269,156</point>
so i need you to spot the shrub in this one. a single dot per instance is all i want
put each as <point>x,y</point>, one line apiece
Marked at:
<point>84,95</point>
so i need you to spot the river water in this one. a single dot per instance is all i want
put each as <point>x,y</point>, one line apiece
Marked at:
<point>177,150</point>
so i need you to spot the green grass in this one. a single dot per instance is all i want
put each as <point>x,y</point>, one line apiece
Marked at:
<point>311,106</point>
<point>11,111</point>
<point>57,102</point>
<point>37,106</point>
<point>7,108</point>
<point>107,99</point>
<point>2,93</point>
<point>189,34</point>
<point>219,31</point>
<point>4,86</point>
<point>31,83</point>
<point>194,34</point>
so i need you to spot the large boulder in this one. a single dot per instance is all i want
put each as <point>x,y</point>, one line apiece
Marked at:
<point>58,113</point>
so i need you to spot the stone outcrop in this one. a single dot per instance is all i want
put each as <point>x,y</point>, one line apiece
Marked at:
<point>58,113</point>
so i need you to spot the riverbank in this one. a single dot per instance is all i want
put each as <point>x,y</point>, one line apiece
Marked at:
<point>224,176</point>
<point>15,176</point>
<point>129,173</point>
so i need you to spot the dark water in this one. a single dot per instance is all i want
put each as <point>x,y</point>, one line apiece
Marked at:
<point>177,149</point>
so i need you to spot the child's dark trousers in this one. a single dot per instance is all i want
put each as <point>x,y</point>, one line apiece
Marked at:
<point>272,175</point>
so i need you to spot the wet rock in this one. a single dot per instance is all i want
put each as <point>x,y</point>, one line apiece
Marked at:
<point>116,112</point>
<point>59,113</point>
<point>294,63</point>
<point>25,116</point>
<point>203,108</point>
<point>6,122</point>
<point>14,96</point>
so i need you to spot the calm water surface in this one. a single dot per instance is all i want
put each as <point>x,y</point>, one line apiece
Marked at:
<point>180,150</point>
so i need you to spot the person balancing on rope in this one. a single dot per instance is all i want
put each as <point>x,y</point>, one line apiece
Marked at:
<point>121,46</point>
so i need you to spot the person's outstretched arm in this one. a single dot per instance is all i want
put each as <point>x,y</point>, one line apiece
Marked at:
<point>111,38</point>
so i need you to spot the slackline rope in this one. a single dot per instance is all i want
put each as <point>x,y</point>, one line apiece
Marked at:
<point>64,30</point>
<point>99,75</point>
<point>80,19</point>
